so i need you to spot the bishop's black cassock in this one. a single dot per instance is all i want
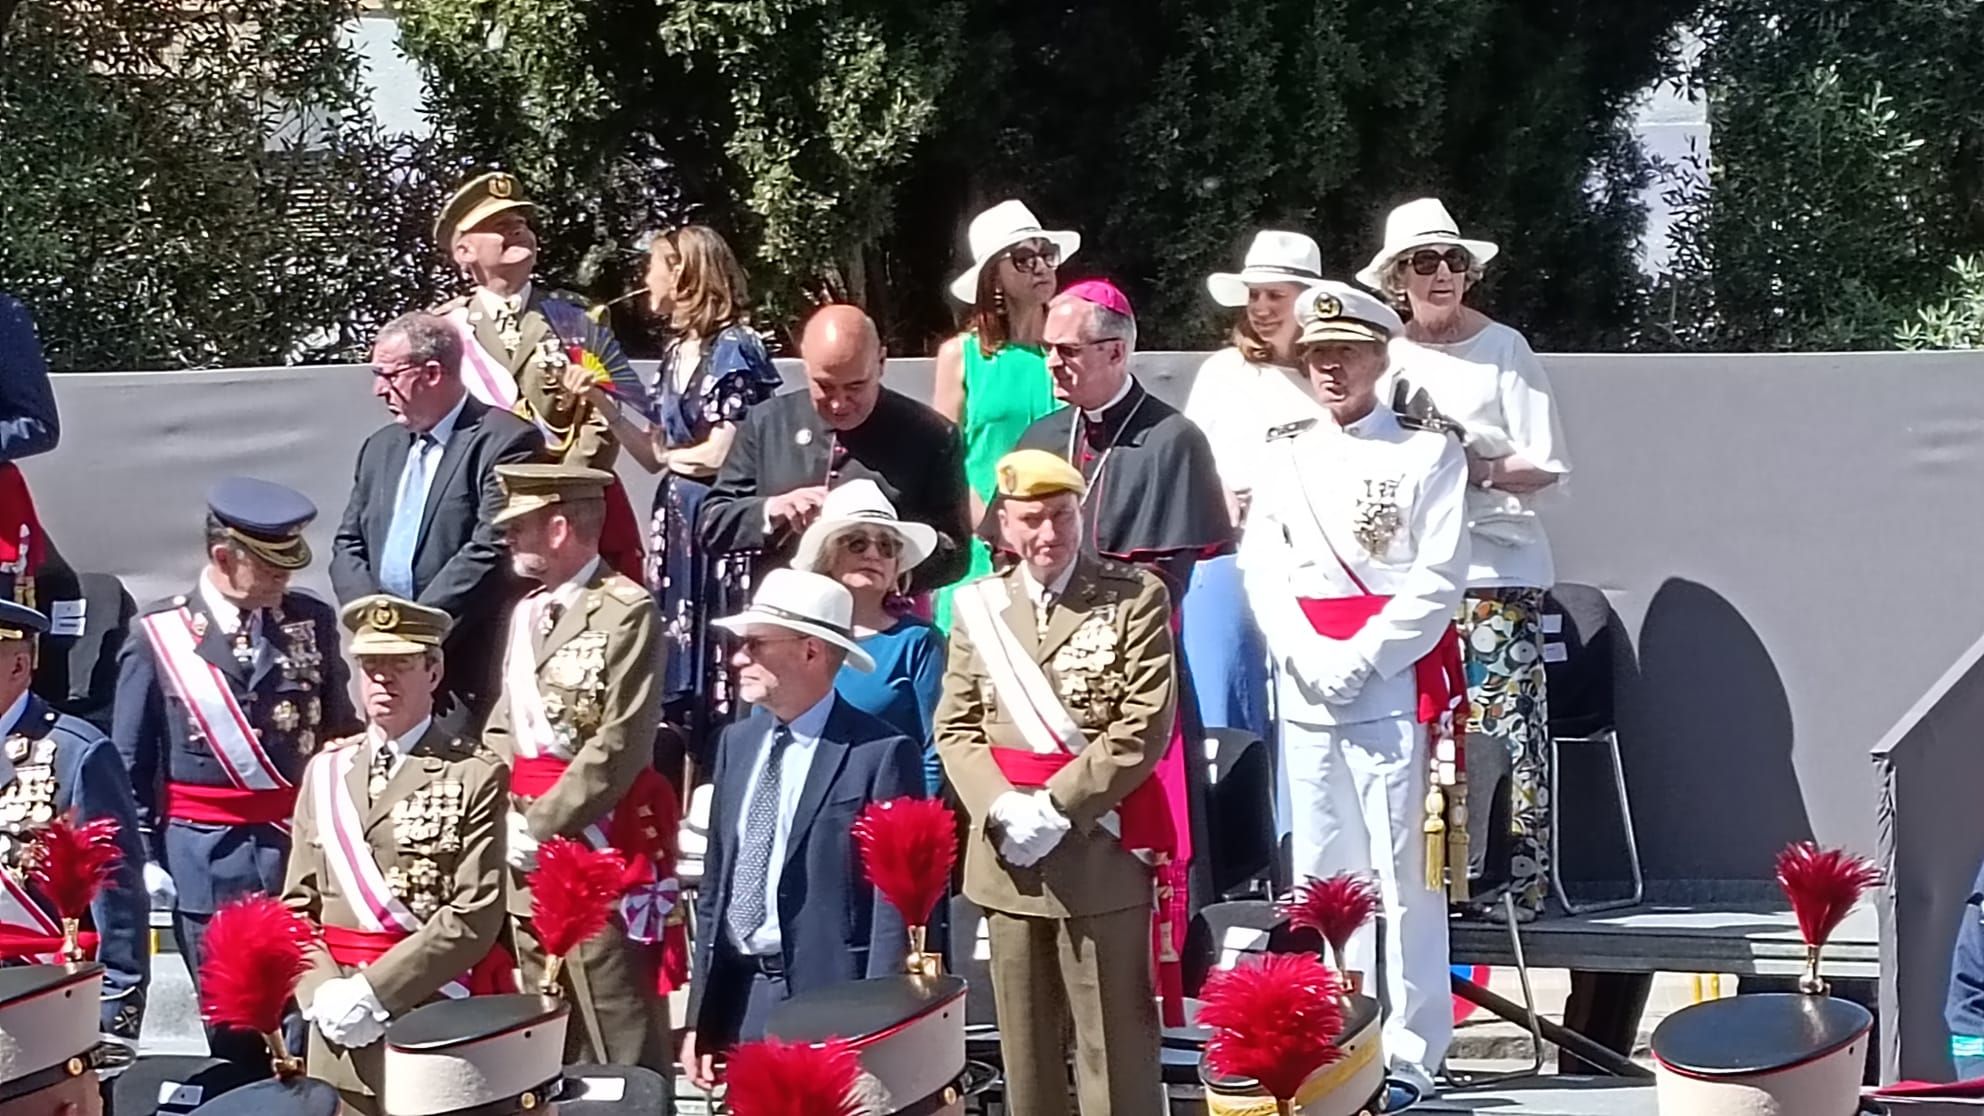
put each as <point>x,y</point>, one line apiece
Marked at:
<point>910,451</point>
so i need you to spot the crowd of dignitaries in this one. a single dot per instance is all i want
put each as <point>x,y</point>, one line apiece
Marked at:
<point>1026,601</point>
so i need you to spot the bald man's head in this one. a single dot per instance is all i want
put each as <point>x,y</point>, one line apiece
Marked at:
<point>843,356</point>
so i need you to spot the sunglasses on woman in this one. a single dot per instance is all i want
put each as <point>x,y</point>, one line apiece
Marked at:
<point>1024,258</point>
<point>1426,261</point>
<point>888,546</point>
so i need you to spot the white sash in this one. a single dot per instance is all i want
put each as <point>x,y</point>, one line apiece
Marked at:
<point>18,908</point>
<point>530,725</point>
<point>205,692</point>
<point>1019,681</point>
<point>487,379</point>
<point>341,831</point>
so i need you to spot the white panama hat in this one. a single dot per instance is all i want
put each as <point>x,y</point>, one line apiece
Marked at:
<point>860,503</point>
<point>1420,224</point>
<point>807,603</point>
<point>1274,257</point>
<point>999,228</point>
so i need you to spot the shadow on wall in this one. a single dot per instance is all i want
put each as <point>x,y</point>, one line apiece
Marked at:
<point>1716,750</point>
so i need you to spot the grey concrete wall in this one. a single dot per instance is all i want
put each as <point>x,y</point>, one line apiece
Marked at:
<point>1790,540</point>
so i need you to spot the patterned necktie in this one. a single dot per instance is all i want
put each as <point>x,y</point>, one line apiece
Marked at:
<point>754,857</point>
<point>381,772</point>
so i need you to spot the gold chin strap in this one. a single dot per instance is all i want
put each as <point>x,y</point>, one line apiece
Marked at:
<point>289,554</point>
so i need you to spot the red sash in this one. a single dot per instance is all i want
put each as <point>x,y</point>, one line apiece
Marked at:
<point>1144,814</point>
<point>196,802</point>
<point>23,943</point>
<point>1441,677</point>
<point>494,975</point>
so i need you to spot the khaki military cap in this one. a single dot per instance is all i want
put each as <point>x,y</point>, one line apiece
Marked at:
<point>530,487</point>
<point>386,625</point>
<point>478,199</point>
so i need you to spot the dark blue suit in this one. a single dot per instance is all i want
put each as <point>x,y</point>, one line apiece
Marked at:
<point>28,422</point>
<point>833,926</point>
<point>296,705</point>
<point>45,746</point>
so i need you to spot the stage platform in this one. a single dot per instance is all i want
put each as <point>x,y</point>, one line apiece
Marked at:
<point>1549,1096</point>
<point>1744,939</point>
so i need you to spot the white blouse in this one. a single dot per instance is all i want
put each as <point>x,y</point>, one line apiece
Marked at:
<point>1493,386</point>
<point>1236,402</point>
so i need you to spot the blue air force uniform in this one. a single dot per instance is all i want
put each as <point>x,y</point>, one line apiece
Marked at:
<point>50,764</point>
<point>217,839</point>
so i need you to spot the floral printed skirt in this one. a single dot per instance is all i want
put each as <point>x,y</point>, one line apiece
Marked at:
<point>1503,637</point>
<point>692,588</point>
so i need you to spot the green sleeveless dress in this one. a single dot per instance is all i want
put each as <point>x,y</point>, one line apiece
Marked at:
<point>1003,395</point>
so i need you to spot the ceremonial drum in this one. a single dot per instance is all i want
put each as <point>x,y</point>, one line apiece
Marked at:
<point>908,1032</point>
<point>1353,1085</point>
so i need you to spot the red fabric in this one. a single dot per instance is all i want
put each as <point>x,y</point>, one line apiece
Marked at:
<point>673,972</point>
<point>19,521</point>
<point>229,805</point>
<point>1441,677</point>
<point>533,777</point>
<point>620,536</point>
<point>494,975</point>
<point>1146,817</point>
<point>22,943</point>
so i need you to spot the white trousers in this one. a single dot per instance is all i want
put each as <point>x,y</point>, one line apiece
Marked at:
<point>1357,798</point>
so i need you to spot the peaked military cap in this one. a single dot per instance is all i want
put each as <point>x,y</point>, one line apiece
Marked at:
<point>18,621</point>
<point>48,1025</point>
<point>386,625</point>
<point>265,518</point>
<point>476,201</point>
<point>530,487</point>
<point>1333,311</point>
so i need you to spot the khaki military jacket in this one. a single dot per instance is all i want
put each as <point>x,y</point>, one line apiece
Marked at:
<point>599,669</point>
<point>1107,649</point>
<point>576,433</point>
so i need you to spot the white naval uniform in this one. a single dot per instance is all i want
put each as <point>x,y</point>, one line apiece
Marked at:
<point>1357,769</point>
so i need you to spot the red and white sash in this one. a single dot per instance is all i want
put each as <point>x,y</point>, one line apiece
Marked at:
<point>206,694</point>
<point>341,829</point>
<point>1043,721</point>
<point>19,909</point>
<point>487,378</point>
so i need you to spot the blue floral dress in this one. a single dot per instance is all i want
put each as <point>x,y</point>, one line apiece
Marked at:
<point>733,374</point>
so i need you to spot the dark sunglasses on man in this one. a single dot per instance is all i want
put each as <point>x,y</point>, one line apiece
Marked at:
<point>1426,261</point>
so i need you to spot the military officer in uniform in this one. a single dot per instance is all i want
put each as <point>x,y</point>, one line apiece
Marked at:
<point>517,337</point>
<point>577,726</point>
<point>52,764</point>
<point>1354,561</point>
<point>223,693</point>
<point>399,856</point>
<point>1056,708</point>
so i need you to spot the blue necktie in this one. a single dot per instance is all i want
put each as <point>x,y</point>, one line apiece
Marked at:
<point>403,537</point>
<point>754,857</point>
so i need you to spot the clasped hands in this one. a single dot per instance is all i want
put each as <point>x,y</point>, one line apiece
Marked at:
<point>347,1012</point>
<point>1030,826</point>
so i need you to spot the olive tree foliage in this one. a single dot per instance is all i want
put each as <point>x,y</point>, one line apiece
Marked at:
<point>1846,171</point>
<point>187,184</point>
<point>1955,322</point>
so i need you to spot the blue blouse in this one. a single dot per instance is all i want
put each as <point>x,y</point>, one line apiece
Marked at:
<point>903,688</point>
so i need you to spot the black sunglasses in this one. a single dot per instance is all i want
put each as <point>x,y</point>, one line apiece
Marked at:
<point>1024,258</point>
<point>888,546</point>
<point>1426,261</point>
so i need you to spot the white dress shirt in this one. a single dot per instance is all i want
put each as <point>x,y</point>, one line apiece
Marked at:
<point>794,765</point>
<point>226,614</point>
<point>495,303</point>
<point>1044,596</point>
<point>1096,415</point>
<point>398,746</point>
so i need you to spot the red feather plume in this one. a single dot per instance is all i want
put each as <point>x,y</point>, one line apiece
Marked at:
<point>254,955</point>
<point>1275,1020</point>
<point>773,1078</point>
<point>908,846</point>
<point>1823,885</point>
<point>1336,907</point>
<point>572,893</point>
<point>72,861</point>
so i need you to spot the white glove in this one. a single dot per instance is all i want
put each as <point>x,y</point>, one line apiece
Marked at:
<point>1330,672</point>
<point>1030,827</point>
<point>158,885</point>
<point>348,1012</point>
<point>521,848</point>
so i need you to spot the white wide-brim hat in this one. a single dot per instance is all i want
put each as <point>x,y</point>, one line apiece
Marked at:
<point>1424,223</point>
<point>807,603</point>
<point>1274,257</point>
<point>999,228</point>
<point>860,503</point>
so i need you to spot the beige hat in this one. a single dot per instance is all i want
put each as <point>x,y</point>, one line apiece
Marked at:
<point>1334,311</point>
<point>1274,257</point>
<point>386,625</point>
<point>530,487</point>
<point>478,199</point>
<point>48,1025</point>
<point>1420,224</point>
<point>1034,474</point>
<point>861,503</point>
<point>493,1053</point>
<point>1001,227</point>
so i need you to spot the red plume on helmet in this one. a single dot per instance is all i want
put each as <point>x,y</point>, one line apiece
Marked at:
<point>1823,885</point>
<point>1274,1020</point>
<point>1336,908</point>
<point>253,957</point>
<point>572,894</point>
<point>773,1078</point>
<point>70,861</point>
<point>908,846</point>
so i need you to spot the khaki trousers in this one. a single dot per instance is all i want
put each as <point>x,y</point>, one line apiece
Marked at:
<point>618,1018</point>
<point>1093,972</point>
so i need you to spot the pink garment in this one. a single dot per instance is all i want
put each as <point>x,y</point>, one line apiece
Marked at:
<point>1103,293</point>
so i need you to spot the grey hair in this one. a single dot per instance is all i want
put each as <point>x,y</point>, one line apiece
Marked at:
<point>1106,324</point>
<point>428,337</point>
<point>1392,279</point>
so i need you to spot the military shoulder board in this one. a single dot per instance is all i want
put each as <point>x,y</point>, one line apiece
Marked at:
<point>1436,423</point>
<point>1289,429</point>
